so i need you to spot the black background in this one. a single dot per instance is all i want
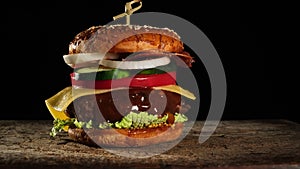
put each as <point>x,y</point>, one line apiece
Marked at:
<point>246,35</point>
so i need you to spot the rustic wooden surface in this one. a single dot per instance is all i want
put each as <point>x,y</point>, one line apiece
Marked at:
<point>235,144</point>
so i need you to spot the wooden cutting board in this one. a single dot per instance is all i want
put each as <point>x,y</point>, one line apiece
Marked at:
<point>271,143</point>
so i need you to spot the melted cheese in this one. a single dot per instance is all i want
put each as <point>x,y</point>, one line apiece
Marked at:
<point>176,89</point>
<point>58,103</point>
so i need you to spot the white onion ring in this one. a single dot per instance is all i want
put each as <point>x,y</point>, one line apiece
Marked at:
<point>143,64</point>
<point>78,58</point>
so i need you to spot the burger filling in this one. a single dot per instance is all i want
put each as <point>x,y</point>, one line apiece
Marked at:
<point>145,108</point>
<point>105,108</point>
<point>140,69</point>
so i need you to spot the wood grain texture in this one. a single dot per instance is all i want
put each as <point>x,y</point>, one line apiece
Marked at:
<point>235,144</point>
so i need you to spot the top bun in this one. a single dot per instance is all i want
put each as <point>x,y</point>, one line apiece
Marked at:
<point>125,38</point>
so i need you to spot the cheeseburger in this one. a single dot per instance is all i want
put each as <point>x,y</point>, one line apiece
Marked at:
<point>123,90</point>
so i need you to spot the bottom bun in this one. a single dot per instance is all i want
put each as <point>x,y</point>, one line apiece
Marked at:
<point>126,137</point>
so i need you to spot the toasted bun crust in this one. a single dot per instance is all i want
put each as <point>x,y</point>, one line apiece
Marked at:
<point>126,137</point>
<point>125,38</point>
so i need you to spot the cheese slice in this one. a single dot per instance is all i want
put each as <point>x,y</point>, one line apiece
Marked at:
<point>58,103</point>
<point>176,89</point>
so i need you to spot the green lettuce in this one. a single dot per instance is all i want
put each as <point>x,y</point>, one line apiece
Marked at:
<point>58,125</point>
<point>140,120</point>
<point>130,121</point>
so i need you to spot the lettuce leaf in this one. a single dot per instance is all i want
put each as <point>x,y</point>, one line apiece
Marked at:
<point>130,121</point>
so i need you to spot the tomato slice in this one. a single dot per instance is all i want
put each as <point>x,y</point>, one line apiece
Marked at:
<point>152,80</point>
